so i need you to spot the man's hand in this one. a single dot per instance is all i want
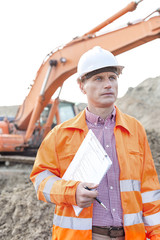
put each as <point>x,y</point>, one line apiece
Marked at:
<point>84,197</point>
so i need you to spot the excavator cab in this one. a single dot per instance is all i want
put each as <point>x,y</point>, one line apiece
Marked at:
<point>56,112</point>
<point>66,111</point>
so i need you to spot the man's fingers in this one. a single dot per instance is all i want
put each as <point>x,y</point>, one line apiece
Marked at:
<point>90,193</point>
<point>85,202</point>
<point>91,185</point>
<point>84,197</point>
<point>91,190</point>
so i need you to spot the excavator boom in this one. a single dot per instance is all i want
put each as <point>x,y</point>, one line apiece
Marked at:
<point>66,60</point>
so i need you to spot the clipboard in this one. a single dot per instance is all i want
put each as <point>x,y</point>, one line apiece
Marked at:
<point>90,163</point>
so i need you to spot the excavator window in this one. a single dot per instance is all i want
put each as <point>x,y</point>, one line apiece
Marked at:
<point>66,111</point>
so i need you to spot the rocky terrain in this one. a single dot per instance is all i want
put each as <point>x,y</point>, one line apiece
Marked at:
<point>143,102</point>
<point>22,216</point>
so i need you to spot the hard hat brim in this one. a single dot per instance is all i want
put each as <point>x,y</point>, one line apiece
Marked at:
<point>118,72</point>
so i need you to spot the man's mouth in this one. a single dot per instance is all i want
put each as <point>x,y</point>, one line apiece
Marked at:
<point>107,94</point>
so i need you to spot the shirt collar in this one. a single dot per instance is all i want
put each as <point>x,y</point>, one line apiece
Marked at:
<point>95,119</point>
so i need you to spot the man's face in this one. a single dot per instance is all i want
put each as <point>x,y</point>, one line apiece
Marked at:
<point>101,90</point>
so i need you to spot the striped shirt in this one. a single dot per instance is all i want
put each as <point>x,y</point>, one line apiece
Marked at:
<point>109,188</point>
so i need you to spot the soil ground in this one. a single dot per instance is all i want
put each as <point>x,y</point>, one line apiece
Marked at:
<point>22,216</point>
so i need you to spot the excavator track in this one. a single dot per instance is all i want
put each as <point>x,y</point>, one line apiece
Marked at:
<point>16,159</point>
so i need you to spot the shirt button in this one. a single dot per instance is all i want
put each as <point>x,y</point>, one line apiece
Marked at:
<point>111,187</point>
<point>107,146</point>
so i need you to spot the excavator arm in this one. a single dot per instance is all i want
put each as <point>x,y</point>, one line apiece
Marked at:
<point>62,63</point>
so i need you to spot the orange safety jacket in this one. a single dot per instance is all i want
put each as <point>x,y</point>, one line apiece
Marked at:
<point>139,185</point>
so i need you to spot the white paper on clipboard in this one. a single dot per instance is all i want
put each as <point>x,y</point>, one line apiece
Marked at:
<point>90,163</point>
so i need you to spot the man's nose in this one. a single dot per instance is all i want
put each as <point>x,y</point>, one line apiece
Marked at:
<point>107,83</point>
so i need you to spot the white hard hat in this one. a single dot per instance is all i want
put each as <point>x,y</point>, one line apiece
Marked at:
<point>96,58</point>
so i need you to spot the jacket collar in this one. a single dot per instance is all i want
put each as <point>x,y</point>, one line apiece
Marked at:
<point>79,122</point>
<point>122,120</point>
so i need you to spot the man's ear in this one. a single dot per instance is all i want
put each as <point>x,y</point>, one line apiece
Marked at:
<point>81,85</point>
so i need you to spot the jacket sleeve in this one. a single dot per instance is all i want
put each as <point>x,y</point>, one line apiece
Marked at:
<point>46,175</point>
<point>150,189</point>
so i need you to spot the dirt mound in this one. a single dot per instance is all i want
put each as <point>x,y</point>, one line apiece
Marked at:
<point>8,111</point>
<point>154,142</point>
<point>143,103</point>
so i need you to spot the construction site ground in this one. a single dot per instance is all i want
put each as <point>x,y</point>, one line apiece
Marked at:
<point>22,216</point>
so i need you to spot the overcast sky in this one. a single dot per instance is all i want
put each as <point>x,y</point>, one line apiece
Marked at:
<point>33,28</point>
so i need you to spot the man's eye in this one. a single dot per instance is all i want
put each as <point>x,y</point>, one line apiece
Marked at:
<point>98,78</point>
<point>111,78</point>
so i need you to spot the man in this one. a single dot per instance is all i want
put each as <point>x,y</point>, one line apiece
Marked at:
<point>130,189</point>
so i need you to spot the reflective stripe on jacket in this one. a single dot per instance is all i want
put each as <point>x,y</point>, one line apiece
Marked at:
<point>139,185</point>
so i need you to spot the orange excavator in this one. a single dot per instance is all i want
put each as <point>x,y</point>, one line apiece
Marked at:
<point>26,131</point>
